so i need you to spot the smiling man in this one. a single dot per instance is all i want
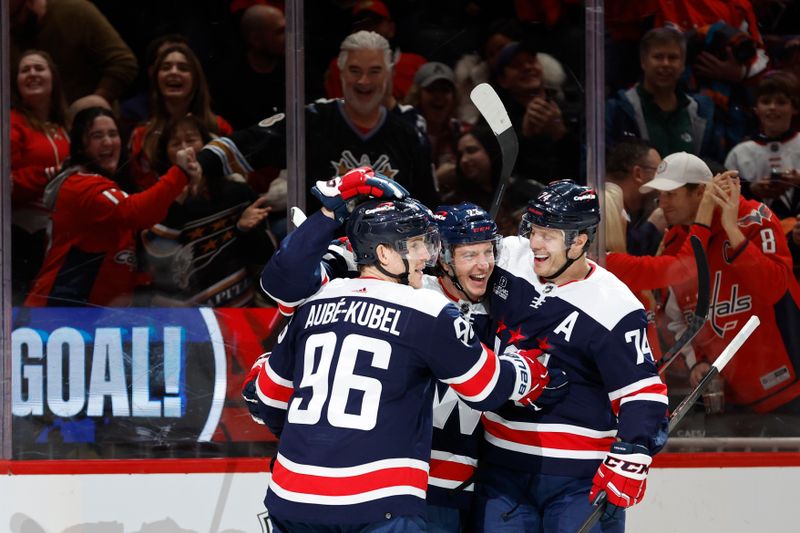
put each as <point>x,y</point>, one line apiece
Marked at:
<point>340,134</point>
<point>349,387</point>
<point>656,109</point>
<point>536,467</point>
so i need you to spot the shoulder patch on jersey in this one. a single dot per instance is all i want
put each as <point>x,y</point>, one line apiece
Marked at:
<point>755,216</point>
<point>269,121</point>
<point>602,296</point>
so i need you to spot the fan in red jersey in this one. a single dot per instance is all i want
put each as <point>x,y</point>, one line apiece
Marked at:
<point>91,259</point>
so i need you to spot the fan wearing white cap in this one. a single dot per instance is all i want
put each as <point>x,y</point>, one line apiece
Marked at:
<point>680,181</point>
<point>751,274</point>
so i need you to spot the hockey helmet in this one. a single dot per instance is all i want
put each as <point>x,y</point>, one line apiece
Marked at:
<point>391,223</point>
<point>563,205</point>
<point>465,223</point>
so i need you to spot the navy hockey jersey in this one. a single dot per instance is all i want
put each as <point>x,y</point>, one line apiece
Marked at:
<point>333,146</point>
<point>349,390</point>
<point>595,330</point>
<point>457,431</point>
<point>293,274</point>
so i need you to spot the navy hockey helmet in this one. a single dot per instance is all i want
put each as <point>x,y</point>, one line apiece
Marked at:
<point>391,223</point>
<point>465,223</point>
<point>563,205</point>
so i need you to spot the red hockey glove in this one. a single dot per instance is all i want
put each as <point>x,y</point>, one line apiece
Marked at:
<point>338,194</point>
<point>249,388</point>
<point>536,386</point>
<point>366,182</point>
<point>623,477</point>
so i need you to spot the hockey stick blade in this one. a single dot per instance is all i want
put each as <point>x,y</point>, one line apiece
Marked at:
<point>683,408</point>
<point>491,107</point>
<point>698,317</point>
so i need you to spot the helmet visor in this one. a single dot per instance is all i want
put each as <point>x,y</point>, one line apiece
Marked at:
<point>425,246</point>
<point>467,255</point>
<point>551,238</point>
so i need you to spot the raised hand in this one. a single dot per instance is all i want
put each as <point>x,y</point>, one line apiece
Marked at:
<point>254,214</point>
<point>338,194</point>
<point>186,159</point>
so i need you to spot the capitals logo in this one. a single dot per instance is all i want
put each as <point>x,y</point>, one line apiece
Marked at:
<point>756,216</point>
<point>726,305</point>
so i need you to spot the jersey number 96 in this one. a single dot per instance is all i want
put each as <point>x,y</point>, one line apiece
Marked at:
<point>315,377</point>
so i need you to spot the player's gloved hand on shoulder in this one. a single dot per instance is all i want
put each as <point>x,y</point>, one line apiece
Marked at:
<point>536,386</point>
<point>249,388</point>
<point>622,476</point>
<point>555,390</point>
<point>339,193</point>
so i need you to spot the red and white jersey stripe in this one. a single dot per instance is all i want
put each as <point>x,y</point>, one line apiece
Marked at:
<point>320,485</point>
<point>479,381</point>
<point>272,389</point>
<point>650,389</point>
<point>557,441</point>
<point>449,470</point>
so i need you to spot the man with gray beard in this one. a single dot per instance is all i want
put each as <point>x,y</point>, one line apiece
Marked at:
<point>341,134</point>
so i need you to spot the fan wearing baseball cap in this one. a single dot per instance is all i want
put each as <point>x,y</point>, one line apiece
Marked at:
<point>680,181</point>
<point>751,274</point>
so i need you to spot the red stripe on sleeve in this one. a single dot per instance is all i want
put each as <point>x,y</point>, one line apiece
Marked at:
<point>271,389</point>
<point>656,388</point>
<point>478,383</point>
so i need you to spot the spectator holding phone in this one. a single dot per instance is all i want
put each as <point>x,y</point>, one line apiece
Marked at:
<point>769,165</point>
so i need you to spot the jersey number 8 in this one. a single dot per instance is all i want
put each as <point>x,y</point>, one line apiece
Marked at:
<point>315,377</point>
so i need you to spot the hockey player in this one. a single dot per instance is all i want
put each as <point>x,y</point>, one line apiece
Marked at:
<point>348,386</point>
<point>536,468</point>
<point>469,247</point>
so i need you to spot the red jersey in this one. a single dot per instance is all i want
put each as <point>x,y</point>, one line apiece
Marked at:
<point>92,254</point>
<point>32,153</point>
<point>754,279</point>
<point>690,14</point>
<point>143,174</point>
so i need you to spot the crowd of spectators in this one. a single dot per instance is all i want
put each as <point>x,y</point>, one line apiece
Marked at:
<point>387,85</point>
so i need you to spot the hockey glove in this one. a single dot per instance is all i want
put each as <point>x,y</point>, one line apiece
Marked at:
<point>623,477</point>
<point>339,194</point>
<point>249,388</point>
<point>534,380</point>
<point>555,390</point>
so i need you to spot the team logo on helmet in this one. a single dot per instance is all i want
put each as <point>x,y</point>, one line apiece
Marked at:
<point>386,206</point>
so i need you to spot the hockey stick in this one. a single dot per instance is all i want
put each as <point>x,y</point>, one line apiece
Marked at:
<point>683,408</point>
<point>488,103</point>
<point>698,317</point>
